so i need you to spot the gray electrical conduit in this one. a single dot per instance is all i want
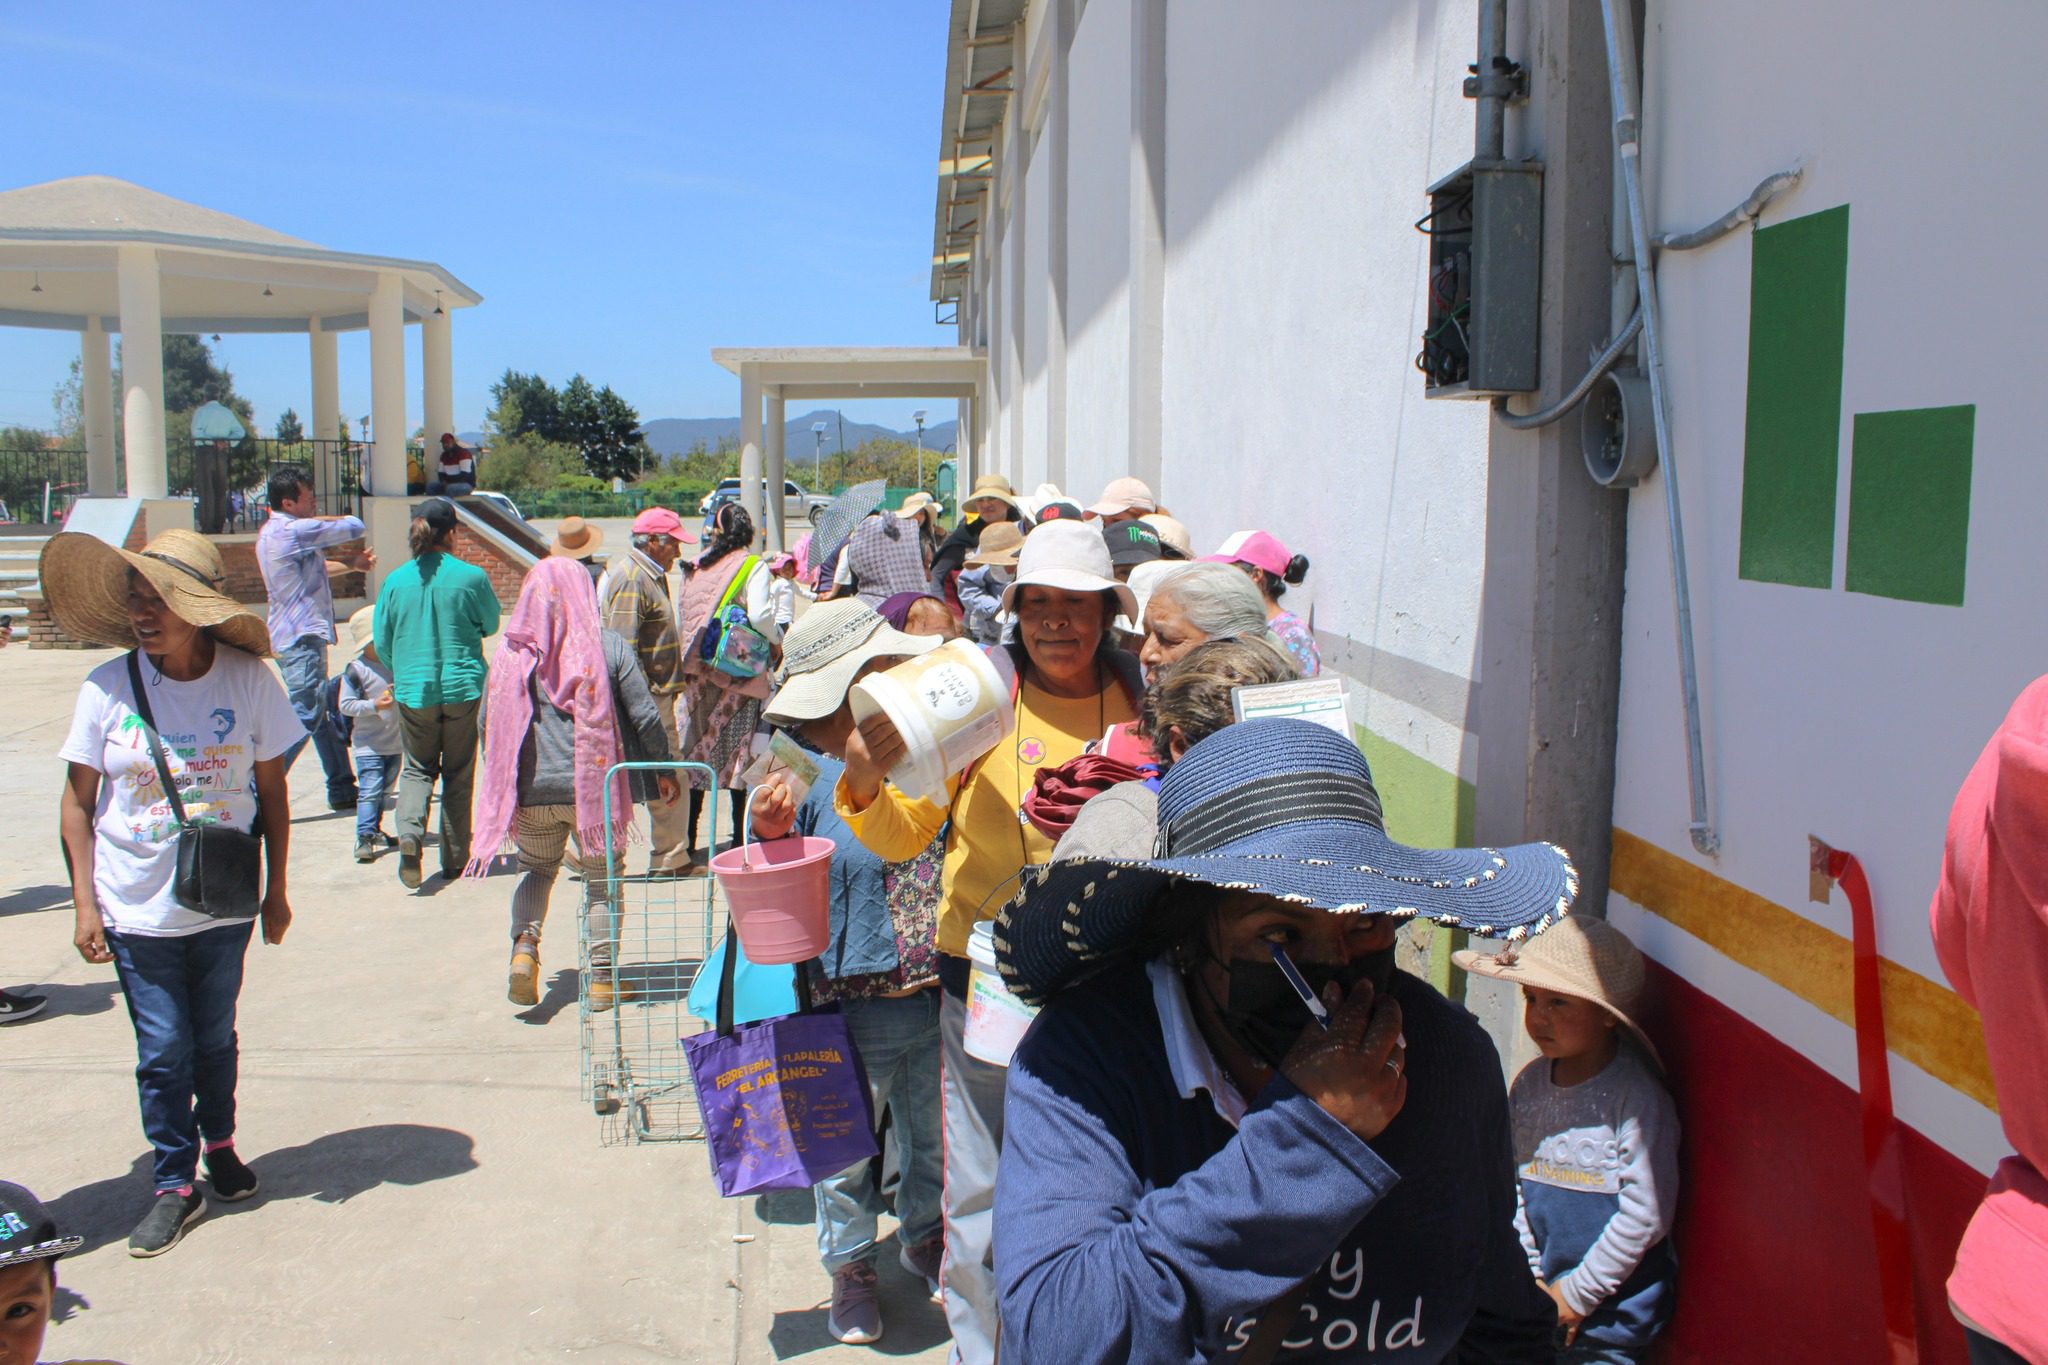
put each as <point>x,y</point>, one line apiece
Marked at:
<point>1605,361</point>
<point>1621,80</point>
<point>1746,212</point>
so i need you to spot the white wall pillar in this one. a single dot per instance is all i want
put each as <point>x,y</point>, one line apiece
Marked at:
<point>387,386</point>
<point>437,376</point>
<point>142,372</point>
<point>96,410</point>
<point>778,532</point>
<point>326,359</point>
<point>750,442</point>
<point>967,447</point>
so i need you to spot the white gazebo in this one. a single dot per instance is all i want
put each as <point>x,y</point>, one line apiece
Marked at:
<point>813,373</point>
<point>95,255</point>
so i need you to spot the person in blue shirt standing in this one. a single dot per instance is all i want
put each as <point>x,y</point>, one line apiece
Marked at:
<point>882,963</point>
<point>1235,1131</point>
<point>296,572</point>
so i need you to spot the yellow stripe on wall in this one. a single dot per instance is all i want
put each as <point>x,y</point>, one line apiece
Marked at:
<point>1925,1022</point>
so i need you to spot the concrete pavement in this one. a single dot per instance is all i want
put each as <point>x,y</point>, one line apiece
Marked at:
<point>434,1187</point>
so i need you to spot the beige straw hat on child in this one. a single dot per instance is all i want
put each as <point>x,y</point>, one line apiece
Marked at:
<point>85,581</point>
<point>1581,956</point>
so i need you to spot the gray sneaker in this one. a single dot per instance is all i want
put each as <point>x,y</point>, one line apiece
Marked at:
<point>923,1260</point>
<point>165,1223</point>
<point>856,1318</point>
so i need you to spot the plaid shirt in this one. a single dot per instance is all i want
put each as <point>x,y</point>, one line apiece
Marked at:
<point>290,552</point>
<point>636,605</point>
<point>886,557</point>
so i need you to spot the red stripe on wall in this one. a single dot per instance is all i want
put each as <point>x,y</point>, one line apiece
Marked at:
<point>1775,1255</point>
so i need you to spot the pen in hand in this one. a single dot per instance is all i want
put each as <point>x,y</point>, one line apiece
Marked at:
<point>1301,987</point>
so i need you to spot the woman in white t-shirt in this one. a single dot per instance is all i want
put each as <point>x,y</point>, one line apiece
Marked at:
<point>224,724</point>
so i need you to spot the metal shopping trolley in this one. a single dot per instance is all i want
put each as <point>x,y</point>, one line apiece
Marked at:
<point>647,938</point>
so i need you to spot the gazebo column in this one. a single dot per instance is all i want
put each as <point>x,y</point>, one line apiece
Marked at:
<point>777,507</point>
<point>437,376</point>
<point>142,372</point>
<point>326,423</point>
<point>750,442</point>
<point>96,404</point>
<point>387,386</point>
<point>388,512</point>
<point>967,446</point>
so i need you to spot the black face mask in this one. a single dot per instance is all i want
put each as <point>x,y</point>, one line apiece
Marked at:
<point>1264,1012</point>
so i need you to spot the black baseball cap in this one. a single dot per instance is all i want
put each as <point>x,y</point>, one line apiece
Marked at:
<point>1059,510</point>
<point>27,1232</point>
<point>1132,542</point>
<point>439,513</point>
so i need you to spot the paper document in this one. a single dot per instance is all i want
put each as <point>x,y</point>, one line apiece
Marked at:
<point>777,755</point>
<point>1322,700</point>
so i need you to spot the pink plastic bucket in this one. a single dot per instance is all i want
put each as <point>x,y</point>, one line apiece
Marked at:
<point>780,896</point>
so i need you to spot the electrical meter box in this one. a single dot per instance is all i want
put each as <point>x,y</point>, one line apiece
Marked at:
<point>1485,230</point>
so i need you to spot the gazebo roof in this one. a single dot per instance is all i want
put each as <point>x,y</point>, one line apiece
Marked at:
<point>59,244</point>
<point>810,373</point>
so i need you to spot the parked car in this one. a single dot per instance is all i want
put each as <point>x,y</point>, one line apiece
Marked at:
<point>797,505</point>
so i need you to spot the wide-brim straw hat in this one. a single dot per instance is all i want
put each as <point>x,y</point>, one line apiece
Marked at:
<point>1069,556</point>
<point>85,582</point>
<point>917,504</point>
<point>1582,957</point>
<point>1283,808</point>
<point>995,486</point>
<point>825,650</point>
<point>1000,545</point>
<point>576,538</point>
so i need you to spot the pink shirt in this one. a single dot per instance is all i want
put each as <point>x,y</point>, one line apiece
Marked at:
<point>1990,918</point>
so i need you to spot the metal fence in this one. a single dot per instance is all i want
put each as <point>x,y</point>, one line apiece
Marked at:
<point>39,484</point>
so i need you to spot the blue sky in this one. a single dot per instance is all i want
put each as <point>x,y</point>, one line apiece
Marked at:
<point>625,191</point>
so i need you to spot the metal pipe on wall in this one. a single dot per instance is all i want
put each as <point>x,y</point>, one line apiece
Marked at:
<point>1621,80</point>
<point>1490,119</point>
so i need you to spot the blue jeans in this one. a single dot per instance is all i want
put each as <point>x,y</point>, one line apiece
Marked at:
<point>375,775</point>
<point>898,1042</point>
<point>181,998</point>
<point>304,665</point>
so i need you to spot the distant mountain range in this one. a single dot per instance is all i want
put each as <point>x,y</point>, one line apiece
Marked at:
<point>675,435</point>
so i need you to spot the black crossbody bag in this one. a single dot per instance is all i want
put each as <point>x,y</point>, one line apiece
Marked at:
<point>220,869</point>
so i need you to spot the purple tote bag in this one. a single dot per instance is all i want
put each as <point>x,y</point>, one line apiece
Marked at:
<point>785,1101</point>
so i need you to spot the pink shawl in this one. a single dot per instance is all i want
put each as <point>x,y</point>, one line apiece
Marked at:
<point>551,641</point>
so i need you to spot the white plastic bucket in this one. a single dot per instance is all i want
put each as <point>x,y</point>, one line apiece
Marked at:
<point>996,1019</point>
<point>951,706</point>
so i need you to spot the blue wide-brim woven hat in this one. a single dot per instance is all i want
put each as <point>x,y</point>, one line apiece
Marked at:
<point>1287,809</point>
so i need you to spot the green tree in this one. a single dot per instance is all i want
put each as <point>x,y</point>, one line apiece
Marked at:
<point>288,429</point>
<point>525,404</point>
<point>603,427</point>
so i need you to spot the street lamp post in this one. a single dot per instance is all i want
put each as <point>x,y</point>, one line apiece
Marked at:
<point>918,417</point>
<point>817,455</point>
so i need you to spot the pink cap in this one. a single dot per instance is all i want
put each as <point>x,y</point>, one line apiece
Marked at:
<point>660,521</point>
<point>1260,550</point>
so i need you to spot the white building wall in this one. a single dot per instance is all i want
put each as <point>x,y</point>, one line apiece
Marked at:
<point>1850,716</point>
<point>1034,300</point>
<point>1300,139</point>
<point>1098,249</point>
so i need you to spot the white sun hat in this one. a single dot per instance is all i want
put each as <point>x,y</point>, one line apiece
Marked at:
<point>1070,556</point>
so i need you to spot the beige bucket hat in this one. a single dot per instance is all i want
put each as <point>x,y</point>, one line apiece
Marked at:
<point>576,538</point>
<point>917,504</point>
<point>85,582</point>
<point>999,545</point>
<point>994,486</point>
<point>824,651</point>
<point>362,630</point>
<point>1581,956</point>
<point>1171,533</point>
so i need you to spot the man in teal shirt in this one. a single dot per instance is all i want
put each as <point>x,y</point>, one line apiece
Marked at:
<point>433,613</point>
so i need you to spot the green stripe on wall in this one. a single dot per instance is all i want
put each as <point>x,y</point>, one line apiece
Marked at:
<point>1429,808</point>
<point>1798,295</point>
<point>1909,503</point>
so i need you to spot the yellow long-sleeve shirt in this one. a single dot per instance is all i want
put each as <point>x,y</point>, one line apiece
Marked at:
<point>987,843</point>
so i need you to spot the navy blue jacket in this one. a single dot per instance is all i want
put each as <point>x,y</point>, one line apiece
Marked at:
<point>863,937</point>
<point>1135,1225</point>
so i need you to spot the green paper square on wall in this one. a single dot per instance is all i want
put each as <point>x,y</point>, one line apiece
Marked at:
<point>1909,503</point>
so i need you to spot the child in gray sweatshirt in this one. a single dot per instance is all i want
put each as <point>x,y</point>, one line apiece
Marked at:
<point>367,703</point>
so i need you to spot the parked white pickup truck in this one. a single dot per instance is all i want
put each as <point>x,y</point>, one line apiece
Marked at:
<point>797,505</point>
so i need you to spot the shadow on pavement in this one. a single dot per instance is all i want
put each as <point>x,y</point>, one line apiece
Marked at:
<point>91,997</point>
<point>911,1322</point>
<point>106,1210</point>
<point>67,1304</point>
<point>30,899</point>
<point>338,1166</point>
<point>789,1208</point>
<point>331,1169</point>
<point>561,995</point>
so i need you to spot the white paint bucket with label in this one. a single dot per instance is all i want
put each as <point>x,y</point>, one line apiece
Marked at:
<point>996,1019</point>
<point>951,706</point>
